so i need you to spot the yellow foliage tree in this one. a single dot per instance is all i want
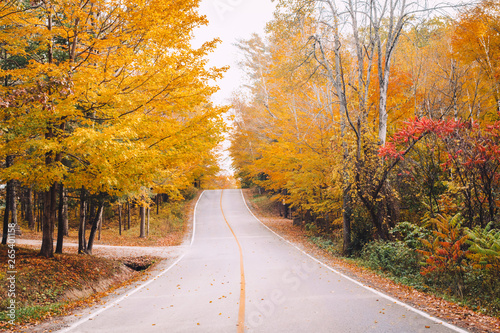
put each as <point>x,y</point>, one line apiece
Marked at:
<point>476,39</point>
<point>112,97</point>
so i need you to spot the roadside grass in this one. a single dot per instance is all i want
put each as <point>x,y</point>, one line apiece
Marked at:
<point>327,244</point>
<point>49,287</point>
<point>265,204</point>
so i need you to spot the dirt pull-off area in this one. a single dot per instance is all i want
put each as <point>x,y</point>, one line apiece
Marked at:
<point>46,288</point>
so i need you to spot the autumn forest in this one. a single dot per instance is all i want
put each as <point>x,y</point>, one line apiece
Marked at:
<point>374,127</point>
<point>376,124</point>
<point>106,101</point>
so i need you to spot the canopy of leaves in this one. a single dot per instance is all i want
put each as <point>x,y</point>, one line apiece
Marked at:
<point>106,95</point>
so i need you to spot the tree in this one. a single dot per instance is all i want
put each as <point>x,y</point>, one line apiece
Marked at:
<point>283,137</point>
<point>472,159</point>
<point>113,98</point>
<point>332,81</point>
<point>476,40</point>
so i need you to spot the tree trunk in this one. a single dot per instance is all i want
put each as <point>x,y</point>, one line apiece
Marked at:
<point>147,231</point>
<point>82,246</point>
<point>49,214</point>
<point>128,214</point>
<point>142,212</point>
<point>90,211</point>
<point>7,205</point>
<point>23,198</point>
<point>93,229</point>
<point>488,191</point>
<point>47,249</point>
<point>13,207</point>
<point>65,213</point>
<point>346,221</point>
<point>336,77</point>
<point>38,211</point>
<point>29,209</point>
<point>374,211</point>
<point>157,204</point>
<point>120,219</point>
<point>60,221</point>
<point>101,218</point>
<point>41,207</point>
<point>6,214</point>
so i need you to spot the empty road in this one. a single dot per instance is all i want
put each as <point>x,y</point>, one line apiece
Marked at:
<point>238,276</point>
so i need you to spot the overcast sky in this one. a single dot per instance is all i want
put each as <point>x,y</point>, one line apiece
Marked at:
<point>231,20</point>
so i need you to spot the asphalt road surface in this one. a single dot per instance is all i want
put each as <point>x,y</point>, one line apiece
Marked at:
<point>238,276</point>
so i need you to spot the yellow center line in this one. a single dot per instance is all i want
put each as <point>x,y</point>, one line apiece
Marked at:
<point>241,313</point>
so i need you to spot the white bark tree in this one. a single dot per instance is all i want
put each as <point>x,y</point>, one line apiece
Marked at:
<point>367,31</point>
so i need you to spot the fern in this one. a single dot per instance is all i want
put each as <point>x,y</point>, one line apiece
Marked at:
<point>485,246</point>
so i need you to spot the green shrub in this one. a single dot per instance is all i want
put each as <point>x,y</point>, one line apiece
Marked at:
<point>327,244</point>
<point>311,229</point>
<point>395,258</point>
<point>484,255</point>
<point>485,247</point>
<point>410,234</point>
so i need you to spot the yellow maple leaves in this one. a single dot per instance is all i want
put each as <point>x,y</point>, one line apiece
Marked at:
<point>113,88</point>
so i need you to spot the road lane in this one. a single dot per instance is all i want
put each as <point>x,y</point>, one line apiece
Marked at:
<point>199,294</point>
<point>241,310</point>
<point>285,290</point>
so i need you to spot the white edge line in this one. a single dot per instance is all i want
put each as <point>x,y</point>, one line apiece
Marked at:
<point>194,217</point>
<point>115,302</point>
<point>422,313</point>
